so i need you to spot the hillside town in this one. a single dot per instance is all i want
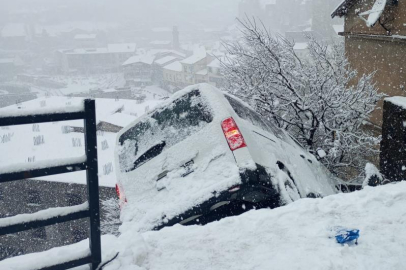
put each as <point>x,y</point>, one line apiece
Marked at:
<point>308,97</point>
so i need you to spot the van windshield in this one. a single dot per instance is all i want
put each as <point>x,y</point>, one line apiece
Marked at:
<point>163,129</point>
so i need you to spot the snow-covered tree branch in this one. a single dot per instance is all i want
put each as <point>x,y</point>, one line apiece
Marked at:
<point>318,99</point>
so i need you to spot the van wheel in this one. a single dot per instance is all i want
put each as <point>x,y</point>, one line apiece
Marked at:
<point>287,189</point>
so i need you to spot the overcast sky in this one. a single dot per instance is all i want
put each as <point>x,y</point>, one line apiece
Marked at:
<point>208,12</point>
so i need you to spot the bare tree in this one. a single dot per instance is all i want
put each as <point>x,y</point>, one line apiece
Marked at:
<point>318,98</point>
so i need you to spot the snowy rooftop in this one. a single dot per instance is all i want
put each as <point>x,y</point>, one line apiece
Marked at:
<point>165,60</point>
<point>175,66</point>
<point>146,59</point>
<point>194,58</point>
<point>202,72</point>
<point>399,101</point>
<point>111,48</point>
<point>165,51</point>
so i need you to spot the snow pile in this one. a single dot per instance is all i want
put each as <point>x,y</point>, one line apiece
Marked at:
<point>296,236</point>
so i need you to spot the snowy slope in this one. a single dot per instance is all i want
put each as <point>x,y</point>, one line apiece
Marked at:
<point>296,236</point>
<point>20,150</point>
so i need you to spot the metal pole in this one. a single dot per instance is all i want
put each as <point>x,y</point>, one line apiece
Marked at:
<point>92,181</point>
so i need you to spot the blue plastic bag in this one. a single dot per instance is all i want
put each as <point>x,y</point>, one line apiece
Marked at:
<point>345,235</point>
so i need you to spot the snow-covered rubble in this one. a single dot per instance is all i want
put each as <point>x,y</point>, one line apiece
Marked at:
<point>296,236</point>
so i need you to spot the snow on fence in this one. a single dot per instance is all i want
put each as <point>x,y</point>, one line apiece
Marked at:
<point>43,215</point>
<point>32,169</point>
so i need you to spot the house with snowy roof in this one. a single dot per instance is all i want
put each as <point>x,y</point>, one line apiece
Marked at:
<point>193,67</point>
<point>95,60</point>
<point>159,64</point>
<point>375,40</point>
<point>215,76</point>
<point>138,70</point>
<point>173,76</point>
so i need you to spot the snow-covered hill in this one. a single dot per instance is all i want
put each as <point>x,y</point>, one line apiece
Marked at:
<point>296,236</point>
<point>17,145</point>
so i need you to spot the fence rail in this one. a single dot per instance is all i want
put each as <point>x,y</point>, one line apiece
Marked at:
<point>92,211</point>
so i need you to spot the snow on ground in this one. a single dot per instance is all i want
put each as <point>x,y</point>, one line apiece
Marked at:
<point>18,146</point>
<point>296,236</point>
<point>81,84</point>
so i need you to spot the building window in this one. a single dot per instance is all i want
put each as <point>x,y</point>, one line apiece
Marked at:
<point>39,233</point>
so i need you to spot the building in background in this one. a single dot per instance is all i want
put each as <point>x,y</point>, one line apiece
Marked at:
<point>95,60</point>
<point>375,41</point>
<point>138,70</point>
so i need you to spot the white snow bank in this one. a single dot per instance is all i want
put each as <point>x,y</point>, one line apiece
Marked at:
<point>295,236</point>
<point>54,256</point>
<point>43,214</point>
<point>14,111</point>
<point>399,101</point>
<point>42,164</point>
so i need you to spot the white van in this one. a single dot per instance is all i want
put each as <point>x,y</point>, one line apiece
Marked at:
<point>204,154</point>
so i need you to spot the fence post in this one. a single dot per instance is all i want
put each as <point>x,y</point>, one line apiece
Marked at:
<point>92,181</point>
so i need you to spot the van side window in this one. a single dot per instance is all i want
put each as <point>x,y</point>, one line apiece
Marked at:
<point>166,127</point>
<point>254,118</point>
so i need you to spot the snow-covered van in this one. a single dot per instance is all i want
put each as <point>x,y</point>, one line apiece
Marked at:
<point>203,151</point>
